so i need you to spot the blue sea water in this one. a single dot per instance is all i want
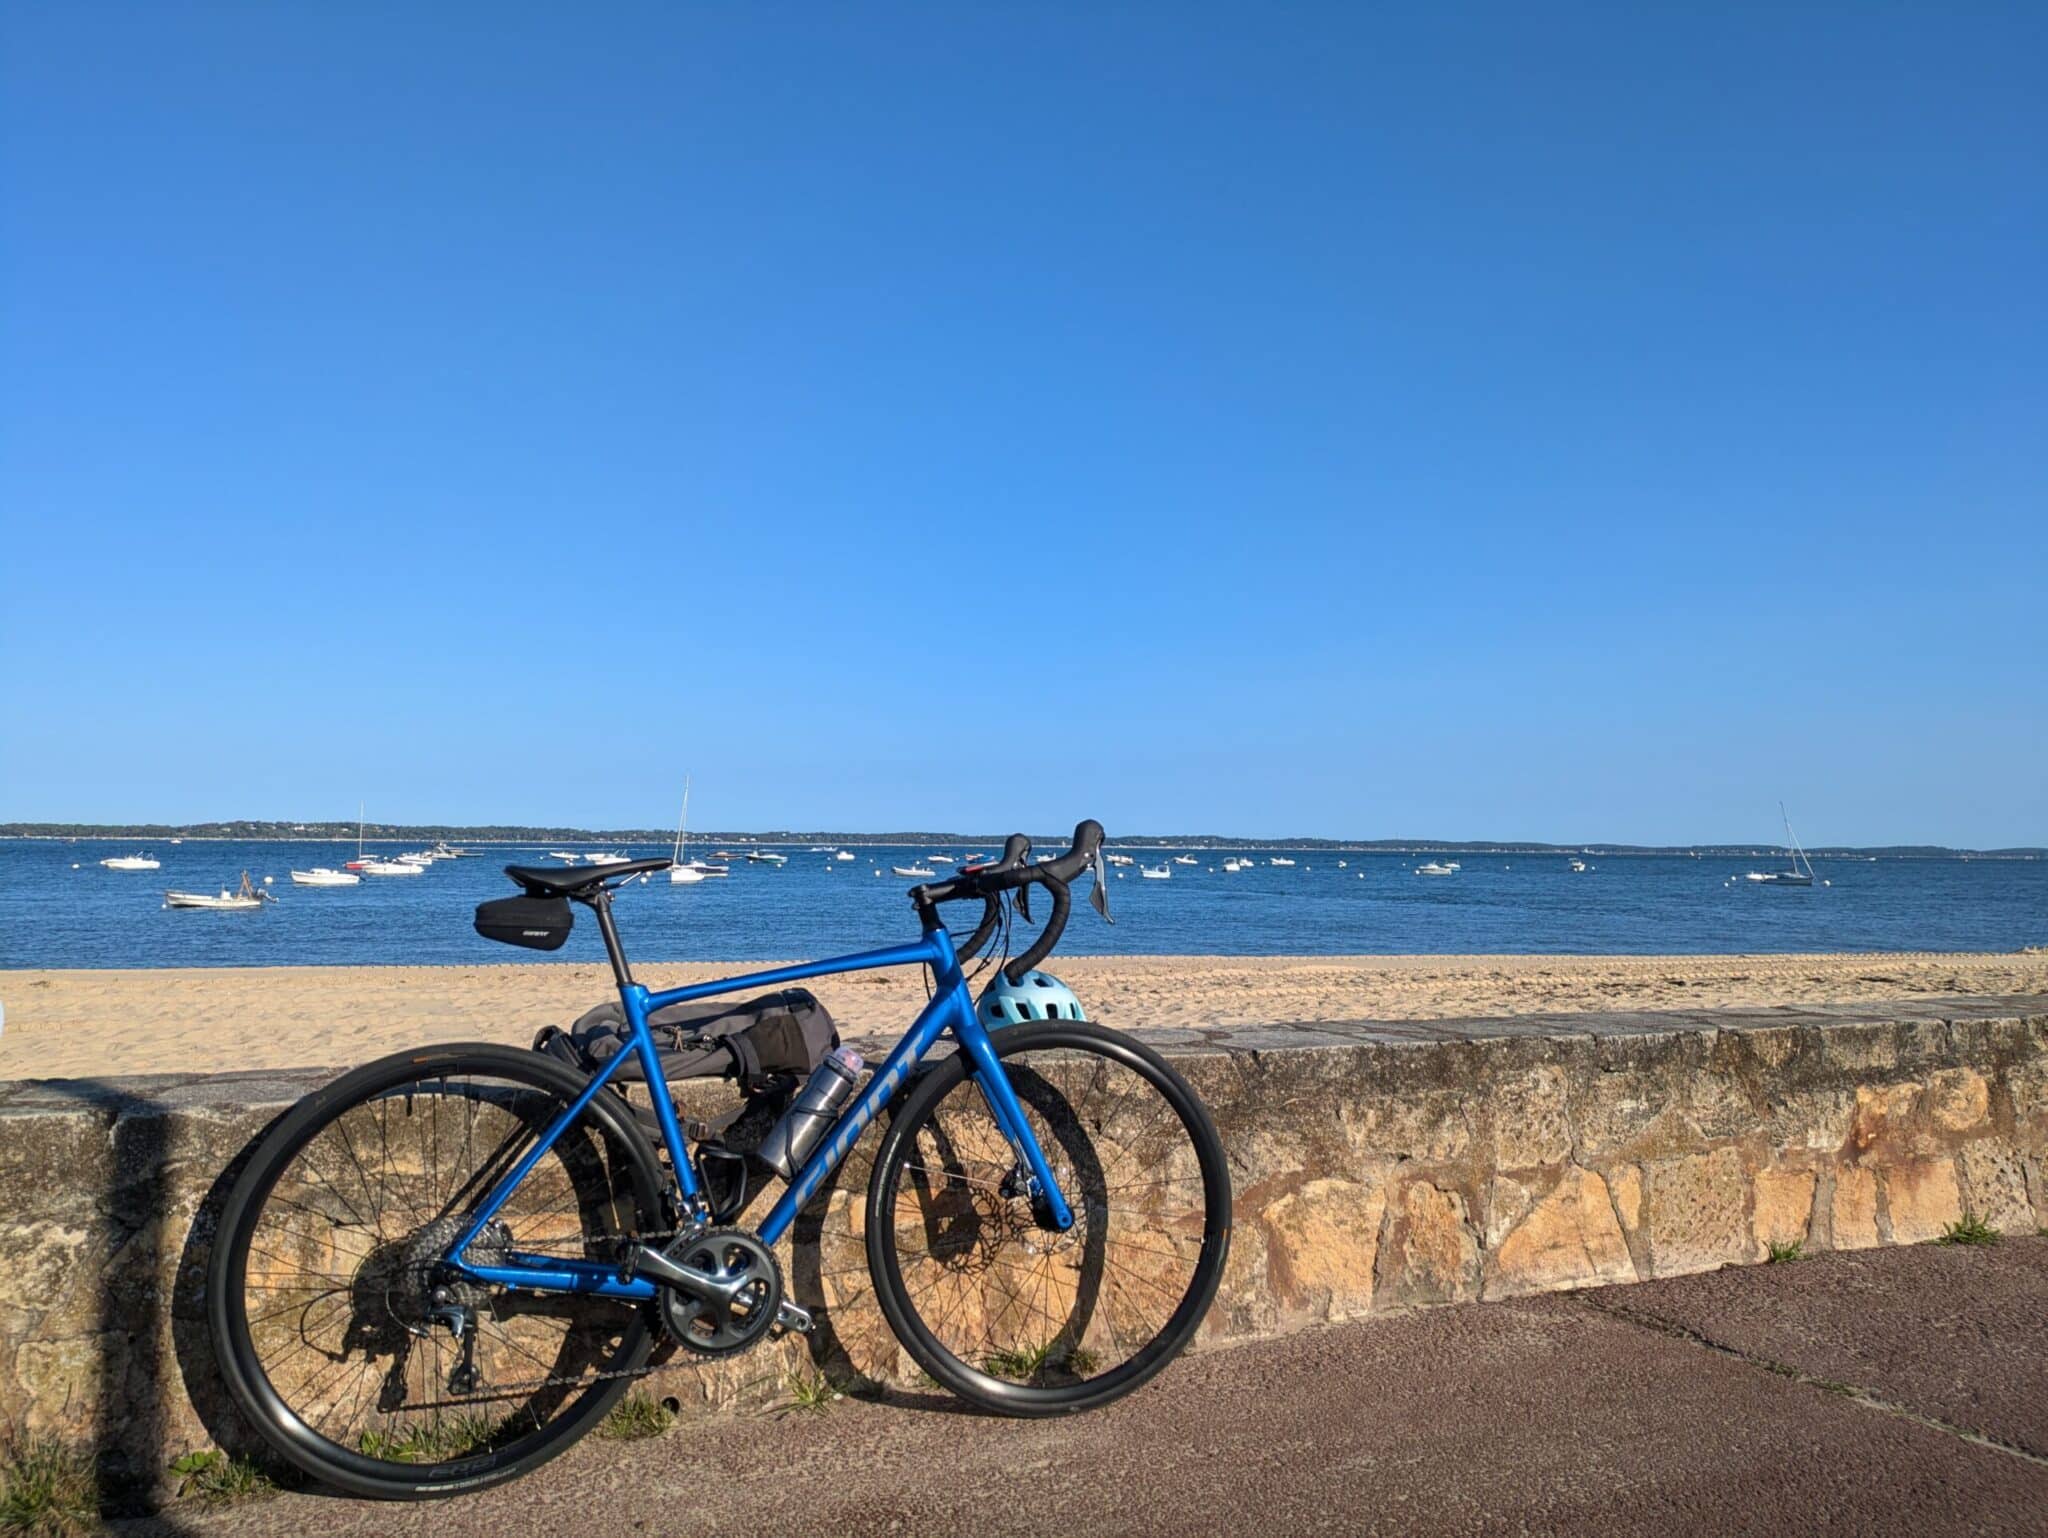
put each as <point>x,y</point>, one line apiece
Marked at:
<point>58,908</point>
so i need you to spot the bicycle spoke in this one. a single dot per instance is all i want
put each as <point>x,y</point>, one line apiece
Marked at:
<point>1008,1299</point>
<point>340,1295</point>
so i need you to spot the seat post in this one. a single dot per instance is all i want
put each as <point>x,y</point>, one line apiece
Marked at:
<point>601,904</point>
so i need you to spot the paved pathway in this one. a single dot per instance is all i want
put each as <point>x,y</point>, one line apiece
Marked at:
<point>1891,1391</point>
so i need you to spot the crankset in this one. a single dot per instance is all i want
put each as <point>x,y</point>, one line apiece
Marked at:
<point>721,1290</point>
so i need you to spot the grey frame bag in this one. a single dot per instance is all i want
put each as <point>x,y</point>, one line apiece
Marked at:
<point>769,1042</point>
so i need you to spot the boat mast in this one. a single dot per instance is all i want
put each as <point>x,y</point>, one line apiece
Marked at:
<point>682,821</point>
<point>1792,838</point>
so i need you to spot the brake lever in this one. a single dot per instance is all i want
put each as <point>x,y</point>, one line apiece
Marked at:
<point>1024,903</point>
<point>1098,899</point>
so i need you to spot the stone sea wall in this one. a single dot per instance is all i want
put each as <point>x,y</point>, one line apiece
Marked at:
<point>1377,1167</point>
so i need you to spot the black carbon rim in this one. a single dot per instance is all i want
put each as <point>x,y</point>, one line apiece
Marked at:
<point>407,1433</point>
<point>1012,1317</point>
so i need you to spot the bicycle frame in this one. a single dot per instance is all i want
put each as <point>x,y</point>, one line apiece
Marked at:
<point>950,1012</point>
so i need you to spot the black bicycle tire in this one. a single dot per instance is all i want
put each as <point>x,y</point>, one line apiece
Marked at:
<point>234,1348</point>
<point>885,1270</point>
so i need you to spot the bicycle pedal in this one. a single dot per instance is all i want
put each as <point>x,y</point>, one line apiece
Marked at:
<point>794,1318</point>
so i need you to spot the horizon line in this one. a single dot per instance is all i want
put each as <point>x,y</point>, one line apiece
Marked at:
<point>283,829</point>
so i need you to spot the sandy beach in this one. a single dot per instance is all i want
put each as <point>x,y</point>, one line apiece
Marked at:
<point>63,1024</point>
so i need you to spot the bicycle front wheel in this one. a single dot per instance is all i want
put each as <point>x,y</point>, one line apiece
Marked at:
<point>350,1346</point>
<point>1017,1317</point>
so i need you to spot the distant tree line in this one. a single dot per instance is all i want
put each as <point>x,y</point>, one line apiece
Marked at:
<point>503,833</point>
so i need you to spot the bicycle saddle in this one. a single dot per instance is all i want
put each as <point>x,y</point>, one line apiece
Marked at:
<point>571,880</point>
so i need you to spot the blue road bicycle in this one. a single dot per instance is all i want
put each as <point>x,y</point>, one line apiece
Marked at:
<point>441,1270</point>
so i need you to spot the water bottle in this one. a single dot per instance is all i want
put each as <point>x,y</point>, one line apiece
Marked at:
<point>790,1141</point>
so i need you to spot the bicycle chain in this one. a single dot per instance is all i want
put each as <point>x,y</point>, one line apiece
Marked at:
<point>499,1391</point>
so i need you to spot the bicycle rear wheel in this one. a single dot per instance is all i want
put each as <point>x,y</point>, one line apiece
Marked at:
<point>331,1313</point>
<point>1019,1318</point>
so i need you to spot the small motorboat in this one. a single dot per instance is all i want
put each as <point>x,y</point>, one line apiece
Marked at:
<point>1279,860</point>
<point>1436,868</point>
<point>1234,866</point>
<point>392,868</point>
<point>1159,873</point>
<point>240,900</point>
<point>1579,867</point>
<point>1185,859</point>
<point>1118,859</point>
<point>133,862</point>
<point>938,859</point>
<point>766,857</point>
<point>913,870</point>
<point>598,857</point>
<point>320,875</point>
<point>844,854</point>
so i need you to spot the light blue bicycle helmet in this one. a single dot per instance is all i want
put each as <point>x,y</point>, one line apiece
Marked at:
<point>1041,996</point>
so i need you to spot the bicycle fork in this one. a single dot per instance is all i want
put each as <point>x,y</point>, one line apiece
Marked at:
<point>1032,1176</point>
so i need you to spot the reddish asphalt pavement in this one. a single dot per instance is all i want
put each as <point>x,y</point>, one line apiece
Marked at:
<point>1894,1391</point>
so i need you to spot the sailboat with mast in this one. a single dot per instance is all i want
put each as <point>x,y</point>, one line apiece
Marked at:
<point>358,862</point>
<point>678,873</point>
<point>1801,871</point>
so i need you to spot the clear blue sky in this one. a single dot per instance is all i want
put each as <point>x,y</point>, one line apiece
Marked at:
<point>1550,422</point>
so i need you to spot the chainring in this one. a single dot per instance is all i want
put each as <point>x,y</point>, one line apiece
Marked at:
<point>739,1263</point>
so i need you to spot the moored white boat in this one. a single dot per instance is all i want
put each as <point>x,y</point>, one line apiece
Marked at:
<point>227,901</point>
<point>844,854</point>
<point>913,870</point>
<point>392,868</point>
<point>1160,873</point>
<point>1279,860</point>
<point>682,872</point>
<point>241,900</point>
<point>1185,859</point>
<point>133,862</point>
<point>766,857</point>
<point>320,875</point>
<point>1434,868</point>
